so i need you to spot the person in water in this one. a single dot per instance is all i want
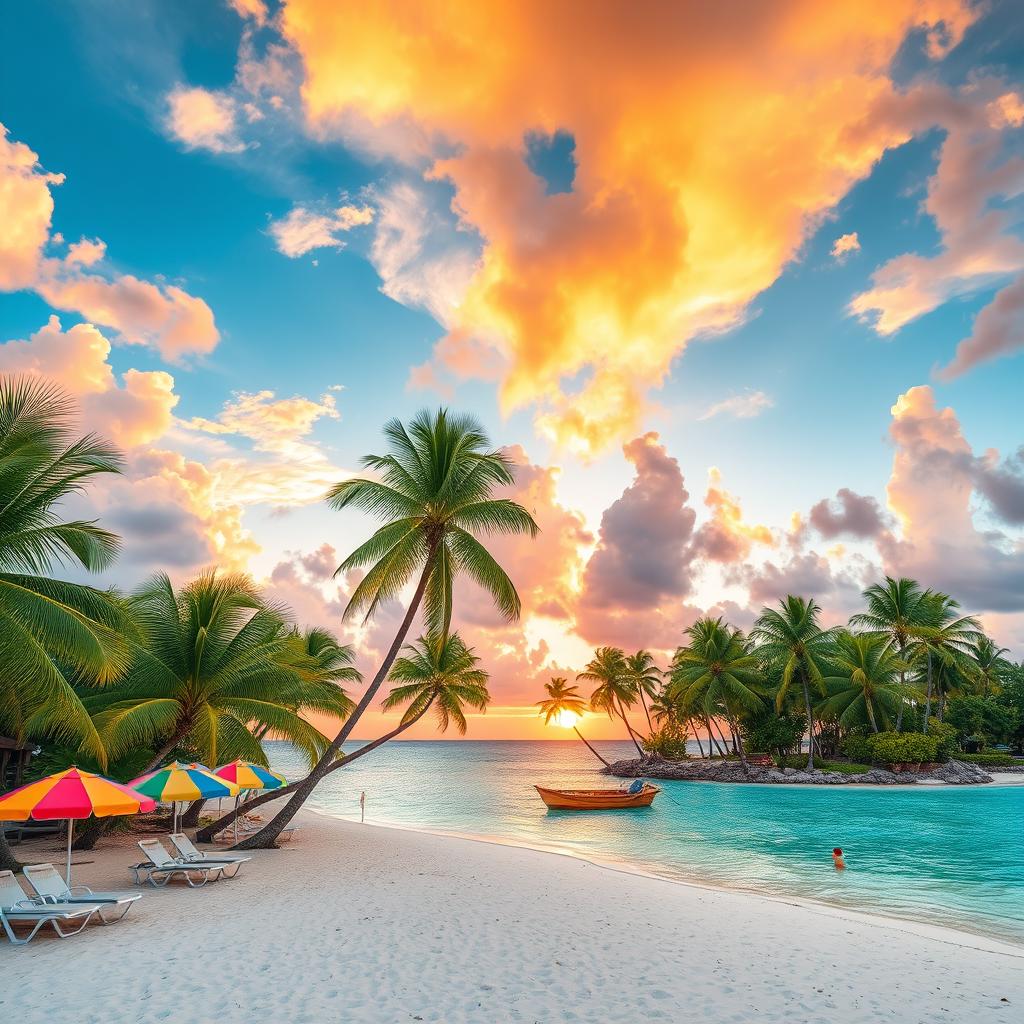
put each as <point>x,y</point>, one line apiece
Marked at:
<point>837,859</point>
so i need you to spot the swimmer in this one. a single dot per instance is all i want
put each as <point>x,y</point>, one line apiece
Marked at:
<point>837,859</point>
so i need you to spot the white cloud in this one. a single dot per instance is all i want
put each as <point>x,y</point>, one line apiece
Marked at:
<point>844,245</point>
<point>742,407</point>
<point>303,230</point>
<point>203,119</point>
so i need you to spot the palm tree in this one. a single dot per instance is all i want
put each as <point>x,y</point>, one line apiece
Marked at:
<point>616,686</point>
<point>563,698</point>
<point>791,643</point>
<point>717,670</point>
<point>647,678</point>
<point>52,633</point>
<point>898,609</point>
<point>864,681</point>
<point>436,493</point>
<point>442,673</point>
<point>989,665</point>
<point>943,637</point>
<point>217,660</point>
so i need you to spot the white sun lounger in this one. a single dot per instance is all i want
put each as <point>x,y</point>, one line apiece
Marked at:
<point>17,908</point>
<point>50,886</point>
<point>191,854</point>
<point>161,867</point>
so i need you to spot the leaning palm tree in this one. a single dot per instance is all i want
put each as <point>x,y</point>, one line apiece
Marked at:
<point>219,668</point>
<point>435,490</point>
<point>717,670</point>
<point>943,638</point>
<point>565,699</point>
<point>616,689</point>
<point>898,609</point>
<point>792,644</point>
<point>864,681</point>
<point>442,673</point>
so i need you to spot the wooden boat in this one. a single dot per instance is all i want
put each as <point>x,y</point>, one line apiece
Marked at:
<point>596,799</point>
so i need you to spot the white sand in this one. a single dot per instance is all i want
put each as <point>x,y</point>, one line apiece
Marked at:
<point>362,923</point>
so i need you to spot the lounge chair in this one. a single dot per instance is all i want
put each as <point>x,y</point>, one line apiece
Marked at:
<point>161,865</point>
<point>50,886</point>
<point>17,908</point>
<point>191,855</point>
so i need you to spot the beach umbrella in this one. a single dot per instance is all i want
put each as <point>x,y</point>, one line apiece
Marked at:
<point>72,794</point>
<point>248,775</point>
<point>185,782</point>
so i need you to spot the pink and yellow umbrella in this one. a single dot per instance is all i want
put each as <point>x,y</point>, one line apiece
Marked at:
<point>72,794</point>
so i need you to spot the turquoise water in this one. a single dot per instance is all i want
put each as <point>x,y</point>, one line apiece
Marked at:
<point>943,855</point>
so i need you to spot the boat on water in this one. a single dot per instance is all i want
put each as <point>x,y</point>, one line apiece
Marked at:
<point>597,799</point>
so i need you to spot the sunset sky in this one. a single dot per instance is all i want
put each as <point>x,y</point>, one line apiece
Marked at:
<point>740,285</point>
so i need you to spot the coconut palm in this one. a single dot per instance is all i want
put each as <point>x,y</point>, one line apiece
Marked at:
<point>944,637</point>
<point>990,667</point>
<point>617,687</point>
<point>900,610</point>
<point>717,671</point>
<point>791,644</point>
<point>442,673</point>
<point>52,633</point>
<point>435,490</point>
<point>647,677</point>
<point>217,660</point>
<point>864,681</point>
<point>563,698</point>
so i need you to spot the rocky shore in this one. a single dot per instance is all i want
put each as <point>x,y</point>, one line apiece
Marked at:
<point>958,773</point>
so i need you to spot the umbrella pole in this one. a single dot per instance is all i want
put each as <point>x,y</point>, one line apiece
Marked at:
<point>67,873</point>
<point>235,840</point>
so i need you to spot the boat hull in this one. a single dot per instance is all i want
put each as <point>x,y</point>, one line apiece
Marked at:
<point>596,799</point>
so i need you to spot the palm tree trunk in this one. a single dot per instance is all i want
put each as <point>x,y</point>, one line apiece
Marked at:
<point>928,700</point>
<point>734,728</point>
<point>724,748</point>
<point>643,701</point>
<point>903,683</point>
<point>711,737</point>
<point>191,817</point>
<point>266,838</point>
<point>871,713</point>
<point>697,738</point>
<point>629,729</point>
<point>590,748</point>
<point>8,862</point>
<point>810,723</point>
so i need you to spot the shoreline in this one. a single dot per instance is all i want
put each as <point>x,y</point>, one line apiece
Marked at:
<point>384,925</point>
<point>978,938</point>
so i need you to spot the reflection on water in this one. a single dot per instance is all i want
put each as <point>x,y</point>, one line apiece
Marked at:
<point>945,855</point>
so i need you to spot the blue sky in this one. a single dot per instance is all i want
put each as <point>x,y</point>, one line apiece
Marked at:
<point>89,88</point>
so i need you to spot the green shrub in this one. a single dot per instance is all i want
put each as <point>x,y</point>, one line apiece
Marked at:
<point>904,747</point>
<point>859,748</point>
<point>947,739</point>
<point>994,760</point>
<point>775,734</point>
<point>841,767</point>
<point>668,742</point>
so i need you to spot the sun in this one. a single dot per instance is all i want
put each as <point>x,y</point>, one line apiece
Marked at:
<point>566,719</point>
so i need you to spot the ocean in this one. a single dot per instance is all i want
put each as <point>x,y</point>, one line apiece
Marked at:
<point>943,855</point>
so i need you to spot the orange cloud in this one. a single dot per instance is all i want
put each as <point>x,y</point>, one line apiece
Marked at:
<point>669,231</point>
<point>844,245</point>
<point>725,537</point>
<point>303,230</point>
<point>203,119</point>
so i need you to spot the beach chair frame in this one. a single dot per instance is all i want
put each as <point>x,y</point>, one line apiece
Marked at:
<point>28,910</point>
<point>152,870</point>
<point>116,904</point>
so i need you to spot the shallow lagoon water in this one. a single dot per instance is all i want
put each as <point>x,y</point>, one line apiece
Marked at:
<point>944,855</point>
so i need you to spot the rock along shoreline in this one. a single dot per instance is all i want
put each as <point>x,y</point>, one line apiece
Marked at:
<point>957,773</point>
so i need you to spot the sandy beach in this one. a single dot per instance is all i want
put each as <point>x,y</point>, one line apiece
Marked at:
<point>365,923</point>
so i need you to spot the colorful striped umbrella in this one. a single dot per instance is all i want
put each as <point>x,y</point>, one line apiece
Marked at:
<point>72,794</point>
<point>248,775</point>
<point>185,782</point>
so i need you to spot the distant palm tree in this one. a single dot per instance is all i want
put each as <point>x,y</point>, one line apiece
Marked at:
<point>616,689</point>
<point>717,669</point>
<point>990,667</point>
<point>435,490</point>
<point>561,697</point>
<point>792,644</point>
<point>898,609</point>
<point>943,637</point>
<point>438,672</point>
<point>52,632</point>
<point>864,681</point>
<point>647,677</point>
<point>216,660</point>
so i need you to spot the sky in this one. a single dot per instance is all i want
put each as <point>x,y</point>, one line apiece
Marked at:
<point>739,287</point>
